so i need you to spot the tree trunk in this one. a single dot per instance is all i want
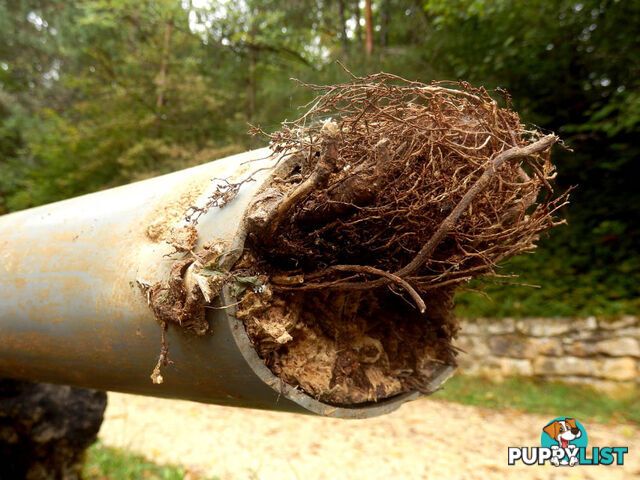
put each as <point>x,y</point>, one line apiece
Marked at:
<point>253,58</point>
<point>343,28</point>
<point>358,26</point>
<point>417,4</point>
<point>369,26</point>
<point>251,88</point>
<point>384,23</point>
<point>162,80</point>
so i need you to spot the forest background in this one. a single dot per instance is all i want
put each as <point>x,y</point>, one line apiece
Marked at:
<point>97,93</point>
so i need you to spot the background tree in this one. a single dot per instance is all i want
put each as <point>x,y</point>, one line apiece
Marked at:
<point>95,93</point>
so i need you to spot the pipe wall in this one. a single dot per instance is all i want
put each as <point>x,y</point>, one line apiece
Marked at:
<point>72,312</point>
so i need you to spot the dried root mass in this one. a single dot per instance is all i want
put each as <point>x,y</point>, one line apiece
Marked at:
<point>387,196</point>
<point>394,194</point>
<point>406,155</point>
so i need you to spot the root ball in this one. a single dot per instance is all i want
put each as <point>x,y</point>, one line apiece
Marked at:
<point>394,193</point>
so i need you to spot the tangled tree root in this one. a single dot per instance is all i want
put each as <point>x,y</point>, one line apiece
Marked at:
<point>398,192</point>
<point>388,195</point>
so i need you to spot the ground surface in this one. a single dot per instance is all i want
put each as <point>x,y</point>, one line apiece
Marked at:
<point>423,439</point>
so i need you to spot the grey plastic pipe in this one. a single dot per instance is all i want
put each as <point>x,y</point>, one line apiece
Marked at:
<point>72,312</point>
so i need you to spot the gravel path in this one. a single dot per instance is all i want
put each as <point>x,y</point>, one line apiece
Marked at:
<point>424,439</point>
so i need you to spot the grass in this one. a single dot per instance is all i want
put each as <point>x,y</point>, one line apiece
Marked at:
<point>106,463</point>
<point>549,398</point>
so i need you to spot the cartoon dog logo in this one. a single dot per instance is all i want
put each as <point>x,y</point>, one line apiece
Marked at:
<point>563,432</point>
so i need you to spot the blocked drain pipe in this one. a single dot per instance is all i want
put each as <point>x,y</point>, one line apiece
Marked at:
<point>72,311</point>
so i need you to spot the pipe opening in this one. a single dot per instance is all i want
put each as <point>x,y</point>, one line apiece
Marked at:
<point>350,348</point>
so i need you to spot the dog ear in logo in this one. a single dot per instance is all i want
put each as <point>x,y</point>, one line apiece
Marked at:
<point>553,429</point>
<point>572,423</point>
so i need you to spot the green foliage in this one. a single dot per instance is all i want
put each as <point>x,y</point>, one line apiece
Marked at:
<point>122,107</point>
<point>571,67</point>
<point>575,273</point>
<point>106,463</point>
<point>548,398</point>
<point>96,93</point>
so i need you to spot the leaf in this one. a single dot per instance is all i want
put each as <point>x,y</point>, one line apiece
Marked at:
<point>210,272</point>
<point>237,289</point>
<point>211,269</point>
<point>240,284</point>
<point>252,280</point>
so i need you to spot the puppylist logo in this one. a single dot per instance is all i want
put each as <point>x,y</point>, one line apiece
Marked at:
<point>564,444</point>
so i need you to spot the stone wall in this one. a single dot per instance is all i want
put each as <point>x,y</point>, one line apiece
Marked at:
<point>602,353</point>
